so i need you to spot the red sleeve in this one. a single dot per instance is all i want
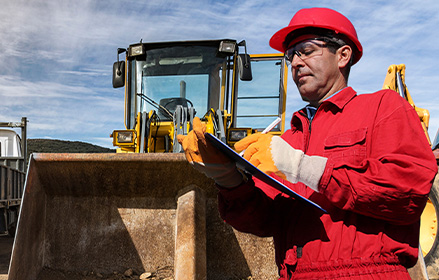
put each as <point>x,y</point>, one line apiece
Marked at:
<point>395,178</point>
<point>247,208</point>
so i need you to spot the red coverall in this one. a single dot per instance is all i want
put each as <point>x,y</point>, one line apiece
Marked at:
<point>375,185</point>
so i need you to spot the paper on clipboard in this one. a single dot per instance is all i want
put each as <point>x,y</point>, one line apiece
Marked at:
<point>245,165</point>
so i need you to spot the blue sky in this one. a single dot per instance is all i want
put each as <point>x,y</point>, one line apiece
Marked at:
<point>56,56</point>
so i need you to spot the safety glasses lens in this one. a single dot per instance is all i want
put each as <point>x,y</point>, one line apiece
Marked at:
<point>305,50</point>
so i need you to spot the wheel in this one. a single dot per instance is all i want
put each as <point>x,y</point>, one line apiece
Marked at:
<point>429,232</point>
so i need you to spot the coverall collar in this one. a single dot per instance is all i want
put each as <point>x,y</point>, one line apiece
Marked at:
<point>338,99</point>
<point>341,98</point>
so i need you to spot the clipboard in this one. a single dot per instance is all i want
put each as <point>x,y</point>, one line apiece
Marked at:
<point>246,166</point>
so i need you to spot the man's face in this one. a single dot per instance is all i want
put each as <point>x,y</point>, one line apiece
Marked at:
<point>315,70</point>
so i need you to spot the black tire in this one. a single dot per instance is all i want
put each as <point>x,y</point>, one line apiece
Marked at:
<point>432,257</point>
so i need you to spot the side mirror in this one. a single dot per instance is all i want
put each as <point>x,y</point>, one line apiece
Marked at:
<point>244,66</point>
<point>118,74</point>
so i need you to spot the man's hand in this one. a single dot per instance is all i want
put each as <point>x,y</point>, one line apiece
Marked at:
<point>208,159</point>
<point>258,152</point>
<point>272,154</point>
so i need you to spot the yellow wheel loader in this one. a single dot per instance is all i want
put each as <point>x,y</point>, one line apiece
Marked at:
<point>167,84</point>
<point>429,243</point>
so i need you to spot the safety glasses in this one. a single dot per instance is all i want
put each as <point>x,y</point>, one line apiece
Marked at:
<point>308,48</point>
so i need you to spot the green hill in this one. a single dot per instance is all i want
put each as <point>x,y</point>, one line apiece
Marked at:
<point>62,146</point>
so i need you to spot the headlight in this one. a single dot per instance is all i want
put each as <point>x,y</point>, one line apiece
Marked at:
<point>236,134</point>
<point>123,137</point>
<point>136,50</point>
<point>227,47</point>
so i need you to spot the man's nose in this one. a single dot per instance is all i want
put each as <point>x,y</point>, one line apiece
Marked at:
<point>297,61</point>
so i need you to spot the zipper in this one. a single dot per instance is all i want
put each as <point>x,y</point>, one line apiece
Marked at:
<point>309,135</point>
<point>306,134</point>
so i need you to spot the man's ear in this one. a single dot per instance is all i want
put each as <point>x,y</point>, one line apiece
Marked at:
<point>344,56</point>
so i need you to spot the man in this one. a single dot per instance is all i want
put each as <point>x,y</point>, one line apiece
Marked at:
<point>363,158</point>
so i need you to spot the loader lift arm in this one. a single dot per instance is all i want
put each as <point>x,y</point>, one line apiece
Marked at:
<point>395,80</point>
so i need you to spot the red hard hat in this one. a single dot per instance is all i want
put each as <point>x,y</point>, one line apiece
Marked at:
<point>318,18</point>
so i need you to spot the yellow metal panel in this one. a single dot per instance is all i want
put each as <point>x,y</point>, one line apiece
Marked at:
<point>284,96</point>
<point>125,103</point>
<point>223,86</point>
<point>268,55</point>
<point>137,129</point>
<point>232,99</point>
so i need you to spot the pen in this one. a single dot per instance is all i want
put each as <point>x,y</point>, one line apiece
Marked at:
<point>266,130</point>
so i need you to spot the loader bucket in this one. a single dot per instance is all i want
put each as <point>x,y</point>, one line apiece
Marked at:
<point>98,215</point>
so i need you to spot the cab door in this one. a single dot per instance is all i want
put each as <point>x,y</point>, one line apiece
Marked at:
<point>260,101</point>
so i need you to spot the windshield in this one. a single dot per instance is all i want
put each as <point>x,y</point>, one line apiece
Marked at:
<point>181,75</point>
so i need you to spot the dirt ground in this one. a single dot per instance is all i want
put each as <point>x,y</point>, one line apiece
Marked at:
<point>6,243</point>
<point>161,274</point>
<point>5,255</point>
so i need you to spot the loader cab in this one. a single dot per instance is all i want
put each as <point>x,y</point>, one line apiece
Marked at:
<point>167,84</point>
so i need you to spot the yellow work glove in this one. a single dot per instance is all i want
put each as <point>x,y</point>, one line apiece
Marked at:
<point>257,152</point>
<point>272,154</point>
<point>207,159</point>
